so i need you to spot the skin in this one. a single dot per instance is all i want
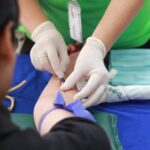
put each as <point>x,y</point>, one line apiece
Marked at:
<point>117,17</point>
<point>113,24</point>
<point>7,60</point>
<point>28,9</point>
<point>46,103</point>
<point>46,100</point>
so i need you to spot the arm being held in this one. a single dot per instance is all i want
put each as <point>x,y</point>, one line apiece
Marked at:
<point>46,102</point>
<point>61,106</point>
<point>63,124</point>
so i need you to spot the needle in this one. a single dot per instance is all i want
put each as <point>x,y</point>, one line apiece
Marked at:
<point>62,80</point>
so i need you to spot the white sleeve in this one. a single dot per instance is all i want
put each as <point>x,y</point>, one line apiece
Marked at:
<point>125,93</point>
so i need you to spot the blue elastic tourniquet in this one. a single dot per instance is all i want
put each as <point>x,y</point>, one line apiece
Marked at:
<point>75,107</point>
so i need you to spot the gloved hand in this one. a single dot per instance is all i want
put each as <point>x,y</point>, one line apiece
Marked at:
<point>49,52</point>
<point>90,63</point>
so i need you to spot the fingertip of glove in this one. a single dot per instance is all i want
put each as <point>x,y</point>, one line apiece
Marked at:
<point>85,105</point>
<point>60,74</point>
<point>62,87</point>
<point>77,97</point>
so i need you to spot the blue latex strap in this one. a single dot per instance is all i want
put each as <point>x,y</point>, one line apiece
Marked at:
<point>75,107</point>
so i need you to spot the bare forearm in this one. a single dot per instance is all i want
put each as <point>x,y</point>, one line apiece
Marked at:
<point>45,103</point>
<point>115,20</point>
<point>31,14</point>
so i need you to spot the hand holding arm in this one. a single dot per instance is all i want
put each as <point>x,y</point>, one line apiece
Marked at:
<point>90,64</point>
<point>45,103</point>
<point>90,61</point>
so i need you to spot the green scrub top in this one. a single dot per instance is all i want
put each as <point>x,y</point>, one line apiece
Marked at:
<point>137,33</point>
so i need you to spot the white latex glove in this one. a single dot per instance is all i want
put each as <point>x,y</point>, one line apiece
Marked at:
<point>49,52</point>
<point>90,64</point>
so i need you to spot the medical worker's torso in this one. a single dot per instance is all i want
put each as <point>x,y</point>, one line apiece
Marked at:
<point>135,35</point>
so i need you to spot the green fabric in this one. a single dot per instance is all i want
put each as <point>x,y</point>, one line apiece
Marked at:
<point>135,35</point>
<point>133,66</point>
<point>23,120</point>
<point>107,121</point>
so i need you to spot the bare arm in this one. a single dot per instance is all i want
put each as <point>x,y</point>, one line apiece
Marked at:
<point>31,14</point>
<point>115,20</point>
<point>45,103</point>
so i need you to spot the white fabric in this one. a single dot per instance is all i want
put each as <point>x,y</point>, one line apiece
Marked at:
<point>50,51</point>
<point>125,93</point>
<point>90,64</point>
<point>121,93</point>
